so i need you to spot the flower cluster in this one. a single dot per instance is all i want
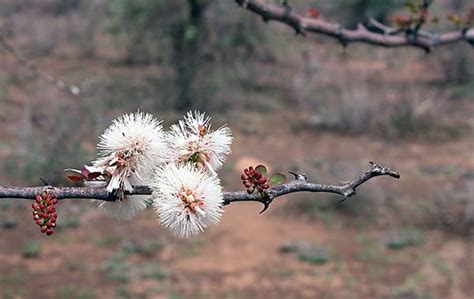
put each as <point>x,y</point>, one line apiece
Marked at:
<point>44,212</point>
<point>254,180</point>
<point>257,179</point>
<point>180,166</point>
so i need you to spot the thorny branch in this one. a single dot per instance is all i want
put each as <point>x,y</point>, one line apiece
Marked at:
<point>300,184</point>
<point>390,37</point>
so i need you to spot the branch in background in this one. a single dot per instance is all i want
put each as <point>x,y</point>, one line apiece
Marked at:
<point>21,60</point>
<point>301,24</point>
<point>300,184</point>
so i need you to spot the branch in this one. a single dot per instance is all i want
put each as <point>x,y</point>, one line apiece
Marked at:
<point>300,184</point>
<point>302,25</point>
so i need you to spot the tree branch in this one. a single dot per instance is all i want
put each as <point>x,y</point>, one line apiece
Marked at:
<point>302,25</point>
<point>300,184</point>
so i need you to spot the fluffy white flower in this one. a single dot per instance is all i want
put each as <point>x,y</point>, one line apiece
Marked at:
<point>192,141</point>
<point>130,149</point>
<point>186,199</point>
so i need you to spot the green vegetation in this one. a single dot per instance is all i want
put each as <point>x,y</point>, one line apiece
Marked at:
<point>145,248</point>
<point>399,239</point>
<point>75,292</point>
<point>9,222</point>
<point>318,254</point>
<point>116,269</point>
<point>31,248</point>
<point>152,271</point>
<point>308,252</point>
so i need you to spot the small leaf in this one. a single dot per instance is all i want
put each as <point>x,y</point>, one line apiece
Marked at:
<point>73,170</point>
<point>85,172</point>
<point>261,169</point>
<point>277,179</point>
<point>93,175</point>
<point>74,178</point>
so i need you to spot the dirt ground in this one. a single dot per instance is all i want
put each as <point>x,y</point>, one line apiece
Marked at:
<point>241,257</point>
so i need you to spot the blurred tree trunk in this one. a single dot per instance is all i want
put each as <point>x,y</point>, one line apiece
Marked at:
<point>186,36</point>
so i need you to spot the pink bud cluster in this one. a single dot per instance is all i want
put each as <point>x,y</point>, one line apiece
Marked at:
<point>253,180</point>
<point>44,212</point>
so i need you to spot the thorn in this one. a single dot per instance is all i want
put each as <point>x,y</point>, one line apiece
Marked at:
<point>299,176</point>
<point>266,201</point>
<point>343,199</point>
<point>266,204</point>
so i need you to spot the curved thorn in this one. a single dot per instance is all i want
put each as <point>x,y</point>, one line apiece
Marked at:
<point>294,173</point>
<point>266,204</point>
<point>343,199</point>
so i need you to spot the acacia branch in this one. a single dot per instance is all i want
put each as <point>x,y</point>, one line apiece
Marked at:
<point>302,25</point>
<point>300,184</point>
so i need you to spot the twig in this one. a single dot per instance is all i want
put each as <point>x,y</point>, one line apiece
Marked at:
<point>300,184</point>
<point>302,25</point>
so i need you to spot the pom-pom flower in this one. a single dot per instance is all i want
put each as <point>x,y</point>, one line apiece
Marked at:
<point>192,141</point>
<point>130,149</point>
<point>186,199</point>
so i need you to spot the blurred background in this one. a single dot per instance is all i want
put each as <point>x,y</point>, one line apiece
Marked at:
<point>293,103</point>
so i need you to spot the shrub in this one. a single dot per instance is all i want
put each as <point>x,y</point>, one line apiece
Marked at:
<point>31,249</point>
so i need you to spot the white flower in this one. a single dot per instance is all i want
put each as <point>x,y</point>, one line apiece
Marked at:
<point>192,141</point>
<point>186,199</point>
<point>130,149</point>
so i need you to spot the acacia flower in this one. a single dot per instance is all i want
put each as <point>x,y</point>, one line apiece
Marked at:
<point>192,141</point>
<point>186,199</point>
<point>130,149</point>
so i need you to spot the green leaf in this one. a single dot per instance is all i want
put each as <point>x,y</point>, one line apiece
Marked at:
<point>261,169</point>
<point>277,179</point>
